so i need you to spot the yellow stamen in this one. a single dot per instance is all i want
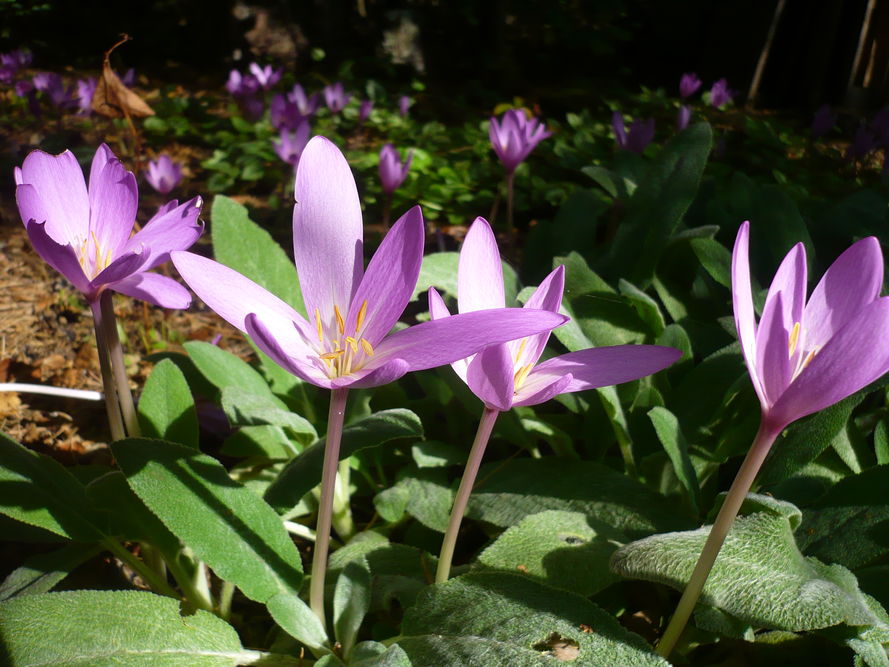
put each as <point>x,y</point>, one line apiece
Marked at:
<point>794,338</point>
<point>518,355</point>
<point>368,349</point>
<point>361,313</point>
<point>332,355</point>
<point>352,343</point>
<point>521,374</point>
<point>107,259</point>
<point>341,325</point>
<point>318,324</point>
<point>810,357</point>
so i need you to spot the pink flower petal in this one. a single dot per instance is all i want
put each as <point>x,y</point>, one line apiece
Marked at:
<point>541,388</point>
<point>113,201</point>
<point>547,296</point>
<point>438,310</point>
<point>60,257</point>
<point>172,228</point>
<point>773,361</point>
<point>155,289</point>
<point>58,180</point>
<point>491,377</point>
<point>286,348</point>
<point>479,271</point>
<point>604,366</point>
<point>742,304</point>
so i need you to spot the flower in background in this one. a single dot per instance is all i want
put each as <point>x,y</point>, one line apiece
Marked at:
<point>290,144</point>
<point>287,114</point>
<point>163,174</point>
<point>508,375</point>
<point>805,355</point>
<point>515,136</point>
<point>266,76</point>
<point>637,138</point>
<point>335,97</point>
<point>720,94</point>
<point>25,88</point>
<point>11,63</point>
<point>688,85</point>
<point>239,85</point>
<point>392,170</point>
<point>307,105</point>
<point>86,88</point>
<point>404,105</point>
<point>129,79</point>
<point>823,121</point>
<point>84,233</point>
<point>347,340</point>
<point>683,117</point>
<point>364,110</point>
<point>53,87</point>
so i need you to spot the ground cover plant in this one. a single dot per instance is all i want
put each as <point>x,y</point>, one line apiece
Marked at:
<point>516,390</point>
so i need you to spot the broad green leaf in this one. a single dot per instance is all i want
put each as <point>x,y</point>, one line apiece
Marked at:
<point>560,549</point>
<point>715,258</point>
<point>670,434</point>
<point>491,618</point>
<point>374,654</point>
<point>659,204</point>
<point>303,473</point>
<point>426,495</point>
<point>244,246</point>
<point>576,225</point>
<point>435,454</point>
<point>847,525</point>
<point>351,601</point>
<point>127,516</point>
<point>299,621</point>
<point>39,491</point>
<point>645,306</point>
<point>166,408</point>
<point>246,408</point>
<point>226,525</point>
<point>40,573</point>
<point>508,492</point>
<point>760,577</point>
<point>881,442</point>
<point>270,442</point>
<point>223,369</point>
<point>114,629</point>
<point>438,270</point>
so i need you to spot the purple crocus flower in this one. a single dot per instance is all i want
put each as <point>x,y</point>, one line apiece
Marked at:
<point>347,341</point>
<point>335,97</point>
<point>284,114</point>
<point>688,85</point>
<point>392,170</point>
<point>683,117</point>
<point>266,76</point>
<point>239,85</point>
<point>404,105</point>
<point>163,174</point>
<point>84,234</point>
<point>805,355</point>
<point>508,375</point>
<point>52,85</point>
<point>514,137</point>
<point>86,88</point>
<point>638,137</point>
<point>720,94</point>
<point>823,121</point>
<point>290,144</point>
<point>307,105</point>
<point>364,110</point>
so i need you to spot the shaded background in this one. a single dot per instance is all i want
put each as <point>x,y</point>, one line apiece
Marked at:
<point>478,52</point>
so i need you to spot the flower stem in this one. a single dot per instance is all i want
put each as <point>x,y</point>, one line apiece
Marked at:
<point>510,177</point>
<point>115,422</point>
<point>387,209</point>
<point>124,395</point>
<point>157,584</point>
<point>762,443</point>
<point>485,426</point>
<point>325,506</point>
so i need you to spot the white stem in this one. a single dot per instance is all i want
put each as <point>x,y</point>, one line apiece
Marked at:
<point>25,388</point>
<point>300,530</point>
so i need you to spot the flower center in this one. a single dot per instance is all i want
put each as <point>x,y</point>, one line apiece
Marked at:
<point>93,260</point>
<point>805,358</point>
<point>523,370</point>
<point>342,354</point>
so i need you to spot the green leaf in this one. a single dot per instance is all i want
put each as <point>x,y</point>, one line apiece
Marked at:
<point>659,204</point>
<point>847,525</point>
<point>38,491</point>
<point>226,525</point>
<point>245,408</point>
<point>561,549</point>
<point>645,306</point>
<point>114,628</point>
<point>715,258</point>
<point>435,454</point>
<point>438,270</point>
<point>351,601</point>
<point>299,621</point>
<point>670,434</point>
<point>166,408</point>
<point>270,442</point>
<point>760,577</point>
<point>40,573</point>
<point>508,492</point>
<point>244,246</point>
<point>491,618</point>
<point>303,473</point>
<point>374,654</point>
<point>423,493</point>
<point>223,369</point>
